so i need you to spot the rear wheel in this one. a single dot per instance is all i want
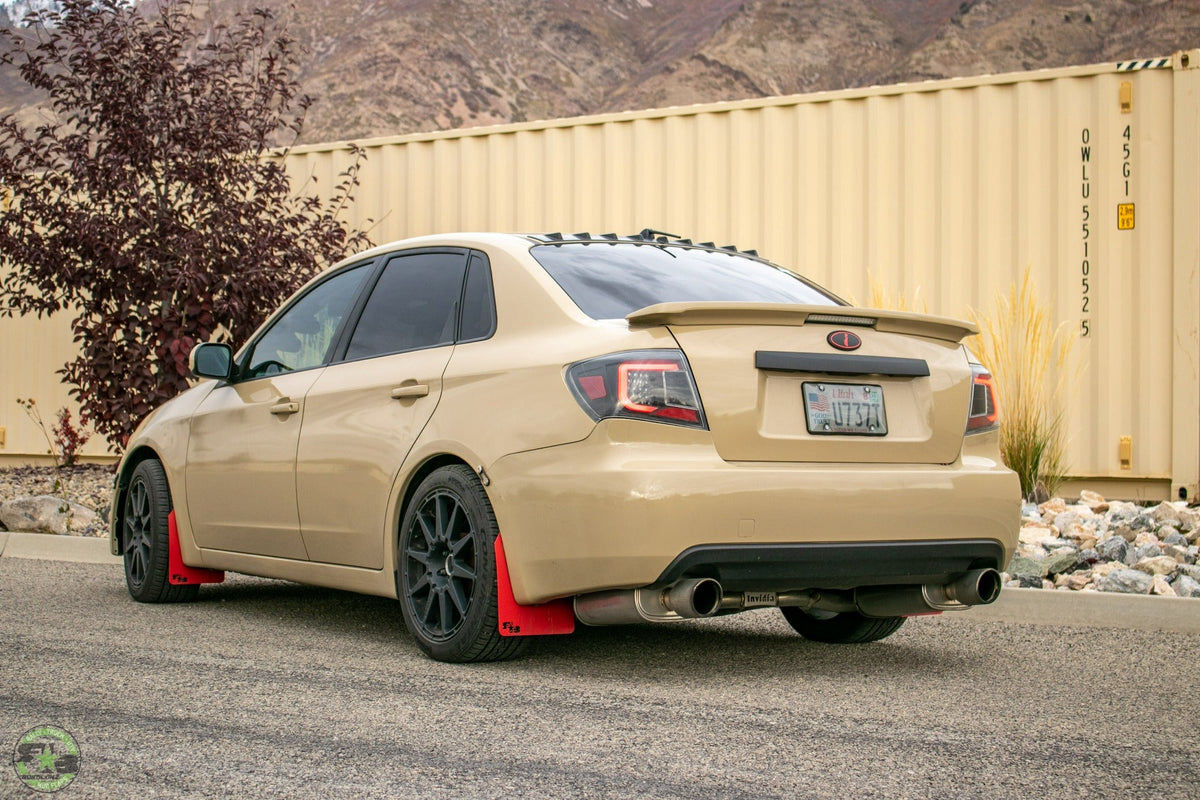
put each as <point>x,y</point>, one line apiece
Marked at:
<point>145,538</point>
<point>847,627</point>
<point>447,581</point>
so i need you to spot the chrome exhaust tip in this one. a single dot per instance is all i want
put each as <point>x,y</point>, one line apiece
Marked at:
<point>693,598</point>
<point>976,588</point>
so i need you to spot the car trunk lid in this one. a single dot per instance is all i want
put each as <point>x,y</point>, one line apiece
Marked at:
<point>772,383</point>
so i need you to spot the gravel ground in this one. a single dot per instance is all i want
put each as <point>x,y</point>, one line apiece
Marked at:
<point>89,485</point>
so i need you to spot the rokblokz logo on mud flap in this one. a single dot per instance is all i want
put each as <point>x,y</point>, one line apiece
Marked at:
<point>46,758</point>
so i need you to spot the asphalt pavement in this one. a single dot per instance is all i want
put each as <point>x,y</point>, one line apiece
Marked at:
<point>271,689</point>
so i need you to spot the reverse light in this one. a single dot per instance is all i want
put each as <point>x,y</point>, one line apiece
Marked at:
<point>984,415</point>
<point>642,384</point>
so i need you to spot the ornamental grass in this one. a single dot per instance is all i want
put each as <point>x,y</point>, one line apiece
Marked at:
<point>1028,356</point>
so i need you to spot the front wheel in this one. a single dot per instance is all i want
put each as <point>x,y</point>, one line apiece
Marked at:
<point>447,580</point>
<point>145,538</point>
<point>847,627</point>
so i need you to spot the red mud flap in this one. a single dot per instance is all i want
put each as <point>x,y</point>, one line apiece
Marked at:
<point>557,616</point>
<point>179,572</point>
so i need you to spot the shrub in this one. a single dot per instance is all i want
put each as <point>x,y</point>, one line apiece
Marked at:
<point>1028,356</point>
<point>154,206</point>
<point>65,439</point>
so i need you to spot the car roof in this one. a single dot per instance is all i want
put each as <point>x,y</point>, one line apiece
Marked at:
<point>521,242</point>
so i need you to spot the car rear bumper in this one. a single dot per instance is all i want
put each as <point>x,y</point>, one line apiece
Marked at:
<point>615,511</point>
<point>824,565</point>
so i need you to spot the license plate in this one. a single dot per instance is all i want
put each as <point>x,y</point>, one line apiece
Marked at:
<point>845,408</point>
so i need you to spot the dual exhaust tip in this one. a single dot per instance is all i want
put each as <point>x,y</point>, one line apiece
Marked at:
<point>695,598</point>
<point>692,598</point>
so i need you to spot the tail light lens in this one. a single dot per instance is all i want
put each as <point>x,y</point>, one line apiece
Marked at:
<point>984,414</point>
<point>642,384</point>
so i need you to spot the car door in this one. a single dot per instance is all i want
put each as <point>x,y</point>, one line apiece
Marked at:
<point>364,413</point>
<point>241,483</point>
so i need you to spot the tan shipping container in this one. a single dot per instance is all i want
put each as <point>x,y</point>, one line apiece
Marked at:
<point>945,190</point>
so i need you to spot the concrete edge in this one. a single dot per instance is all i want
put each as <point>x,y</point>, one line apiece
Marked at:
<point>1089,610</point>
<point>1021,606</point>
<point>52,547</point>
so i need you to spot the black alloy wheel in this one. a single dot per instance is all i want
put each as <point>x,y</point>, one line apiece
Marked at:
<point>145,537</point>
<point>447,580</point>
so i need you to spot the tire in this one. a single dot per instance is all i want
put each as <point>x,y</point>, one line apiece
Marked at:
<point>447,570</point>
<point>146,537</point>
<point>848,627</point>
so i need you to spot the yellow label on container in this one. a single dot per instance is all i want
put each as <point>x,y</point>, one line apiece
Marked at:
<point>1124,216</point>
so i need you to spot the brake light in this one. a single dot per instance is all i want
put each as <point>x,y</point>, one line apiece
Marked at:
<point>644,384</point>
<point>984,414</point>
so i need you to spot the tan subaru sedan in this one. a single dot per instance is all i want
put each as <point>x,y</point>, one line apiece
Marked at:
<point>514,434</point>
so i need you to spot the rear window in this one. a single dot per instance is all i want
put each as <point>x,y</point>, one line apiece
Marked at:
<point>608,281</point>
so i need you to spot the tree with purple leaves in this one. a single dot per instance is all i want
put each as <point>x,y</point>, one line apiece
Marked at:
<point>153,205</point>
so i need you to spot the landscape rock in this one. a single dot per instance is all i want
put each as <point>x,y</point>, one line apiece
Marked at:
<point>1190,570</point>
<point>1159,565</point>
<point>1078,580</point>
<point>1094,501</point>
<point>1053,506</point>
<point>1113,548</point>
<point>1021,567</point>
<point>1065,521</point>
<point>1100,570</point>
<point>1146,537</point>
<point>1145,552</point>
<point>1175,538</point>
<point>1037,535</point>
<point>1164,512</point>
<point>1124,531</point>
<point>1082,538</point>
<point>1160,586</point>
<point>1060,562</point>
<point>1033,551</point>
<point>1185,586</point>
<point>1180,554</point>
<point>46,514</point>
<point>1125,581</point>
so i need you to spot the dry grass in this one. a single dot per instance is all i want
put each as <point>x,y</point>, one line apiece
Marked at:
<point>881,298</point>
<point>1028,356</point>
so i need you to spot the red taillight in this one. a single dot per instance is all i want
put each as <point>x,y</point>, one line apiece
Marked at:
<point>644,384</point>
<point>984,414</point>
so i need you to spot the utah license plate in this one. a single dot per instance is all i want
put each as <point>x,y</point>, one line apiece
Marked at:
<point>852,408</point>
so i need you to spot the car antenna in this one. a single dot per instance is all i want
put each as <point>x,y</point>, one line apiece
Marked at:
<point>649,233</point>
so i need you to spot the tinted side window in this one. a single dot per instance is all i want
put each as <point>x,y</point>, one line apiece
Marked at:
<point>301,338</point>
<point>413,305</point>
<point>479,304</point>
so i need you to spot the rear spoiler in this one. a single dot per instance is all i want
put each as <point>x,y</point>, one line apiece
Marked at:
<point>719,313</point>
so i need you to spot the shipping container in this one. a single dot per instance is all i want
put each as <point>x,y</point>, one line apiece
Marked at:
<point>943,192</point>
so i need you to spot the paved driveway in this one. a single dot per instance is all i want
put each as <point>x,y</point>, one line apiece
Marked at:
<point>268,689</point>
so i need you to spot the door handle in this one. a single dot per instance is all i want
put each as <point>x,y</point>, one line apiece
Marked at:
<point>410,390</point>
<point>285,407</point>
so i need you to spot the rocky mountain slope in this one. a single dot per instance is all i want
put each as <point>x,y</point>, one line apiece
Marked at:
<point>386,67</point>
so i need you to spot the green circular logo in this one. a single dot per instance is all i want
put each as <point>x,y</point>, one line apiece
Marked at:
<point>46,758</point>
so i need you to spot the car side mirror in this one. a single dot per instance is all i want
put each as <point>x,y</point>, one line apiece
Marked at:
<point>211,360</point>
